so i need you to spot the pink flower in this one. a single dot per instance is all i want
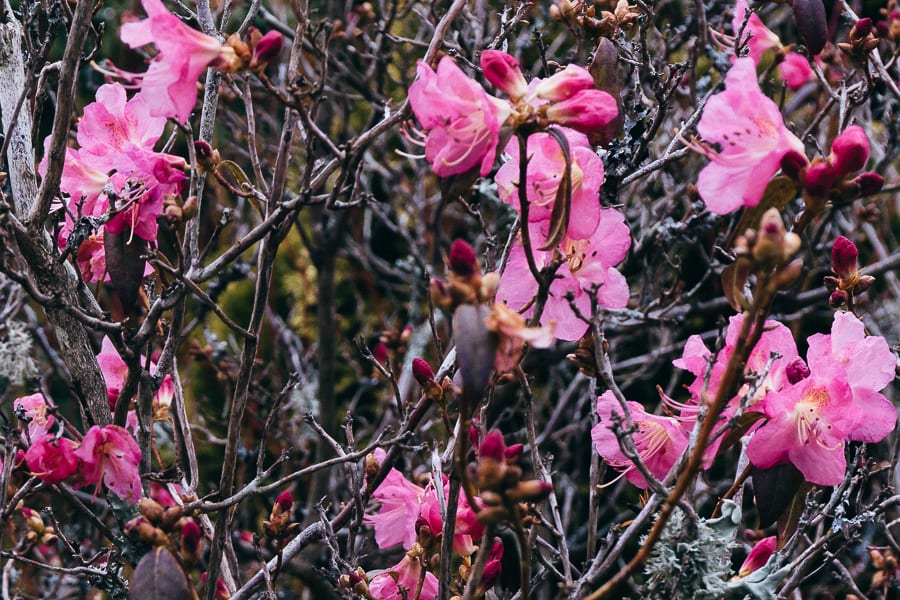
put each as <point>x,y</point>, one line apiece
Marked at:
<point>749,128</point>
<point>810,420</point>
<point>588,263</point>
<point>503,71</point>
<point>659,440</point>
<point>759,37</point>
<point>111,456</point>
<point>401,582</point>
<point>795,70</point>
<point>52,460</point>
<point>115,371</point>
<point>33,408</point>
<point>546,168</point>
<point>171,81</point>
<point>586,111</point>
<point>849,151</point>
<point>396,520</point>
<point>463,122</point>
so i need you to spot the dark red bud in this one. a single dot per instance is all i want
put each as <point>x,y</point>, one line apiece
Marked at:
<point>285,501</point>
<point>474,437</point>
<point>796,371</point>
<point>190,536</point>
<point>354,578</point>
<point>818,179</point>
<point>844,255</point>
<point>422,371</point>
<point>203,149</point>
<point>462,259</point>
<point>380,353</point>
<point>837,299</point>
<point>869,183</point>
<point>492,446</point>
<point>793,163</point>
<point>863,27</point>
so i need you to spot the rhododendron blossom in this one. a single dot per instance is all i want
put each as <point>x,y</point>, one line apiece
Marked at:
<point>810,420</point>
<point>33,408</point>
<point>401,582</point>
<point>751,132</point>
<point>170,84</point>
<point>546,169</point>
<point>659,440</point>
<point>589,263</point>
<point>115,371</point>
<point>462,120</point>
<point>111,456</point>
<point>52,460</point>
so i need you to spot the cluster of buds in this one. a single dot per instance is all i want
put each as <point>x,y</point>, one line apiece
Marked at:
<point>861,40</point>
<point>499,479</point>
<point>356,582</point>
<point>830,178</point>
<point>466,284</point>
<point>175,211</point>
<point>887,568</point>
<point>279,526</point>
<point>770,246</point>
<point>392,345</point>
<point>38,531</point>
<point>567,98</point>
<point>598,20</point>
<point>155,522</point>
<point>256,53</point>
<point>847,282</point>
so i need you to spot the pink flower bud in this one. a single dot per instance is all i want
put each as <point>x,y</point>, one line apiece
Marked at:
<point>190,536</point>
<point>586,111</point>
<point>503,71</point>
<point>793,163</point>
<point>818,179</point>
<point>564,84</point>
<point>492,446</point>
<point>462,259</point>
<point>849,151</point>
<point>380,353</point>
<point>863,27</point>
<point>844,255</point>
<point>759,555</point>
<point>285,501</point>
<point>869,183</point>
<point>267,48</point>
<point>422,371</point>
<point>796,371</point>
<point>514,452</point>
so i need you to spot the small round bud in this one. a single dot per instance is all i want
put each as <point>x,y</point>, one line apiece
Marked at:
<point>869,183</point>
<point>837,299</point>
<point>793,163</point>
<point>422,371</point>
<point>849,151</point>
<point>796,371</point>
<point>844,255</point>
<point>462,259</point>
<point>285,501</point>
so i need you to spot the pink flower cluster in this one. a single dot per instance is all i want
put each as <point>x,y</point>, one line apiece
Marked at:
<point>748,127</point>
<point>811,407</point>
<point>116,172</point>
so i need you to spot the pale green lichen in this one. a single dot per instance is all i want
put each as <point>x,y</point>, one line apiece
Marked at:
<point>16,364</point>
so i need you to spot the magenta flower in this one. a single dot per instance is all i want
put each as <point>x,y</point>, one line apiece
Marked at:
<point>170,83</point>
<point>110,456</point>
<point>462,120</point>
<point>546,166</point>
<point>795,70</point>
<point>115,371</point>
<point>401,582</point>
<point>33,408</point>
<point>52,460</point>
<point>588,263</point>
<point>659,440</point>
<point>396,520</point>
<point>749,128</point>
<point>759,38</point>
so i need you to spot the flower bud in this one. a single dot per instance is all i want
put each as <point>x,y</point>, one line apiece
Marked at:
<point>564,84</point>
<point>190,537</point>
<point>207,157</point>
<point>793,163</point>
<point>463,260</point>
<point>862,28</point>
<point>818,179</point>
<point>869,183</point>
<point>837,299</point>
<point>514,453</point>
<point>812,23</point>
<point>285,501</point>
<point>492,446</point>
<point>864,283</point>
<point>758,556</point>
<point>849,151</point>
<point>844,256</point>
<point>796,371</point>
<point>503,71</point>
<point>422,371</point>
<point>267,48</point>
<point>151,509</point>
<point>530,491</point>
<point>586,111</point>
